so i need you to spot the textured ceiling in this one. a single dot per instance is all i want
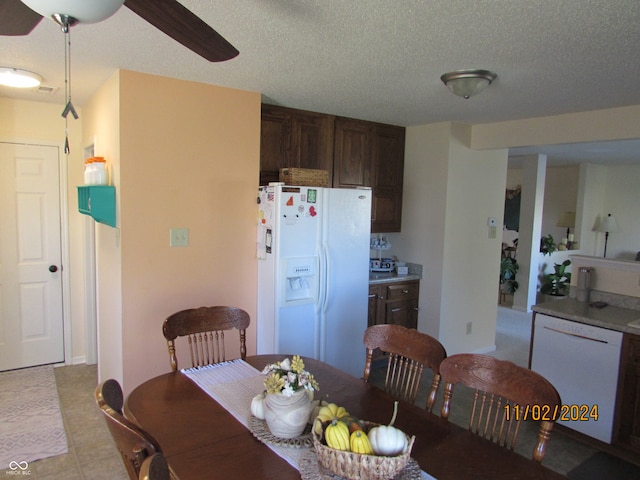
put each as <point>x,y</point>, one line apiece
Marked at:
<point>370,59</point>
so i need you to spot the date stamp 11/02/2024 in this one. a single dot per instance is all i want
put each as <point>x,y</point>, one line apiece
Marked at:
<point>548,413</point>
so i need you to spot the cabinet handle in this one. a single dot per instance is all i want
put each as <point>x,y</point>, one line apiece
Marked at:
<point>415,308</point>
<point>372,295</point>
<point>394,310</point>
<point>381,297</point>
<point>405,291</point>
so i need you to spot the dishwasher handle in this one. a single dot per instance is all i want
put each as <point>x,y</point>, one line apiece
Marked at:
<point>571,334</point>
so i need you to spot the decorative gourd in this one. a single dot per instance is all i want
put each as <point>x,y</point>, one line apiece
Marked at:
<point>352,422</point>
<point>326,414</point>
<point>257,406</point>
<point>359,443</point>
<point>331,411</point>
<point>337,435</point>
<point>317,405</point>
<point>386,439</point>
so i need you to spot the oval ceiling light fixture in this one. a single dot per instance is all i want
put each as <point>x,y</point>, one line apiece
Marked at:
<point>84,11</point>
<point>467,83</point>
<point>17,78</point>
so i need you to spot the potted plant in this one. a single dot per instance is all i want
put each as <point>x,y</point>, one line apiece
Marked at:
<point>508,269</point>
<point>547,245</point>
<point>556,284</point>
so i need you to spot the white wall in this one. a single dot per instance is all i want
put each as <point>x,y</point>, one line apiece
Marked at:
<point>423,215</point>
<point>622,199</point>
<point>449,193</point>
<point>560,195</point>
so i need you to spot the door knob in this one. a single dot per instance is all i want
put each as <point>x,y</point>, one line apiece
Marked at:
<point>53,268</point>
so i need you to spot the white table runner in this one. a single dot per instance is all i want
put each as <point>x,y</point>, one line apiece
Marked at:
<point>233,385</point>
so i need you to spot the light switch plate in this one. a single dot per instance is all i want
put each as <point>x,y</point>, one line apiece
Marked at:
<point>179,237</point>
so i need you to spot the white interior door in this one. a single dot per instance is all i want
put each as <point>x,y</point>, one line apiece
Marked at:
<point>31,320</point>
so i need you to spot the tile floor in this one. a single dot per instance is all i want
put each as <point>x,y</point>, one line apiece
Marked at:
<point>92,454</point>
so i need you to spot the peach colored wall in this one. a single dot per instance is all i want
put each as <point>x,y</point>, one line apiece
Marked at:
<point>41,123</point>
<point>189,158</point>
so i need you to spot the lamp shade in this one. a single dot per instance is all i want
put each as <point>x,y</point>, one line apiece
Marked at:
<point>14,77</point>
<point>85,11</point>
<point>608,224</point>
<point>567,220</point>
<point>466,83</point>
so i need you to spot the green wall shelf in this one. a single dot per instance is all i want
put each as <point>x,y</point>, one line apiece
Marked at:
<point>98,201</point>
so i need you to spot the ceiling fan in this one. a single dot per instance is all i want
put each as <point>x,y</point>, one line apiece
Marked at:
<point>168,16</point>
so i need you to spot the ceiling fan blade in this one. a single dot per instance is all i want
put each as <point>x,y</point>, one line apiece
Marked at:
<point>172,18</point>
<point>16,18</point>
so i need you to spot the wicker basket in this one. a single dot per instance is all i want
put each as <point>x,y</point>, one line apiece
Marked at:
<point>305,177</point>
<point>356,466</point>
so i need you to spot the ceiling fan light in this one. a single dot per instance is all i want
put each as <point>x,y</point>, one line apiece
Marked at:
<point>85,11</point>
<point>17,78</point>
<point>467,83</point>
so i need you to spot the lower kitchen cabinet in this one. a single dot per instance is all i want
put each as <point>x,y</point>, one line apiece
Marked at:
<point>394,303</point>
<point>628,433</point>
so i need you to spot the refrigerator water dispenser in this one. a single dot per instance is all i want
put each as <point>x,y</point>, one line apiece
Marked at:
<point>300,281</point>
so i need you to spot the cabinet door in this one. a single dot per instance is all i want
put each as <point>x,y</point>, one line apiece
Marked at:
<point>352,153</point>
<point>628,408</point>
<point>275,143</point>
<point>402,312</point>
<point>373,304</point>
<point>294,138</point>
<point>387,172</point>
<point>312,141</point>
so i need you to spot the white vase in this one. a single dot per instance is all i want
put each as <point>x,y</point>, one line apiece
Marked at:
<point>287,417</point>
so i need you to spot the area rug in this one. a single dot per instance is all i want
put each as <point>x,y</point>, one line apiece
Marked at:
<point>30,420</point>
<point>604,466</point>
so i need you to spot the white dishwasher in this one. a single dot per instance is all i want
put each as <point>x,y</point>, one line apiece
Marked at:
<point>582,362</point>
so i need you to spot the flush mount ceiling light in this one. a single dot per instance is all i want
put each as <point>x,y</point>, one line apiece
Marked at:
<point>466,83</point>
<point>14,77</point>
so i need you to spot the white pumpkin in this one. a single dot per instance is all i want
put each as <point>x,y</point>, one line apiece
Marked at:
<point>257,406</point>
<point>387,440</point>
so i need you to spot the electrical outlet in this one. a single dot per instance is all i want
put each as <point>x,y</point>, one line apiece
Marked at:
<point>468,328</point>
<point>179,237</point>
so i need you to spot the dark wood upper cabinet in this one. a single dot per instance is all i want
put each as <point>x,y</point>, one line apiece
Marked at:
<point>387,172</point>
<point>370,154</point>
<point>294,138</point>
<point>352,154</point>
<point>356,153</point>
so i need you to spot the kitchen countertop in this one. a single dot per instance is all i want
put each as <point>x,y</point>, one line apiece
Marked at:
<point>388,277</point>
<point>611,317</point>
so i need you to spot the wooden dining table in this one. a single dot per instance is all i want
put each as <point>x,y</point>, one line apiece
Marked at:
<point>202,440</point>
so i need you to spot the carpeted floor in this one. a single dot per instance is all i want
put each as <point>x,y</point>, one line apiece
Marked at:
<point>30,420</point>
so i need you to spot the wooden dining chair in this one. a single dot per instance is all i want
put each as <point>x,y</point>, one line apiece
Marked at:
<point>134,444</point>
<point>407,352</point>
<point>505,395</point>
<point>204,328</point>
<point>155,467</point>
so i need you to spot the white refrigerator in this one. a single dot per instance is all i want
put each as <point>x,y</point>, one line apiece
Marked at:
<point>313,273</point>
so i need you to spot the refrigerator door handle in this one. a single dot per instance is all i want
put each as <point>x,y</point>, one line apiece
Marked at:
<point>325,276</point>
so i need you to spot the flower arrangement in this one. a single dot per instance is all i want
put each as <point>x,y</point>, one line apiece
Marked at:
<point>288,377</point>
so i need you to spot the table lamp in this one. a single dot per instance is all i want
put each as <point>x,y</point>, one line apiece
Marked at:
<point>608,224</point>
